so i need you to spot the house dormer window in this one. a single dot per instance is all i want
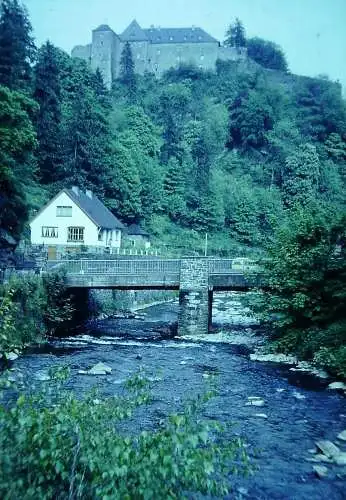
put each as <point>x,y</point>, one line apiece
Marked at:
<point>75,234</point>
<point>63,211</point>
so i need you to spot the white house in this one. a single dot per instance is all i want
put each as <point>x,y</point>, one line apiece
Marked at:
<point>74,219</point>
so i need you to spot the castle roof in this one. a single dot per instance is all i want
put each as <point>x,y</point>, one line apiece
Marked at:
<point>178,35</point>
<point>134,33</point>
<point>103,27</point>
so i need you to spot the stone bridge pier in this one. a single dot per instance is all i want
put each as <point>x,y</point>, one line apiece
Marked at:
<point>195,298</point>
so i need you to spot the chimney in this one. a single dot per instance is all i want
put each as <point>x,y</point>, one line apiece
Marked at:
<point>75,189</point>
<point>89,194</point>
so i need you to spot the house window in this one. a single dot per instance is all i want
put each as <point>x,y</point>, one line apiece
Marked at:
<point>49,232</point>
<point>75,234</point>
<point>63,211</point>
<point>100,235</point>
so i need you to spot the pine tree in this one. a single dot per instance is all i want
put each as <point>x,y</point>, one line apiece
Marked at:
<point>47,93</point>
<point>127,71</point>
<point>174,187</point>
<point>17,48</point>
<point>235,35</point>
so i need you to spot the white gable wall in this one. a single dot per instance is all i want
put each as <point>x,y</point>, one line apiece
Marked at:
<point>48,218</point>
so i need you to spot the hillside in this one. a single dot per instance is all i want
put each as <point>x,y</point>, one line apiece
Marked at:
<point>250,154</point>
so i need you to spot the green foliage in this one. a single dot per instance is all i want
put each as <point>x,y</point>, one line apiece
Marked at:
<point>267,54</point>
<point>235,35</point>
<point>17,164</point>
<point>17,48</point>
<point>47,93</point>
<point>304,276</point>
<point>74,448</point>
<point>127,72</point>
<point>320,108</point>
<point>301,176</point>
<point>30,308</point>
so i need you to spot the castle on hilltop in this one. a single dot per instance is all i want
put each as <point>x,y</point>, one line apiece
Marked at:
<point>154,49</point>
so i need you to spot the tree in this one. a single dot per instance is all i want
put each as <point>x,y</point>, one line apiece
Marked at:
<point>301,176</point>
<point>321,109</point>
<point>127,71</point>
<point>304,278</point>
<point>17,48</point>
<point>124,188</point>
<point>86,131</point>
<point>174,189</point>
<point>48,94</point>
<point>252,115</point>
<point>175,102</point>
<point>235,35</point>
<point>17,165</point>
<point>267,54</point>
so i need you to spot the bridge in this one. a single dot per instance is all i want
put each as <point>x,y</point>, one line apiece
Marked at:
<point>195,278</point>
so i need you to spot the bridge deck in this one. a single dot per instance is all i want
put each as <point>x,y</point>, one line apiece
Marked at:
<point>151,274</point>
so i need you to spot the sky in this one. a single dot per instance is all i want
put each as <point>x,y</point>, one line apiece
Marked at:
<point>312,33</point>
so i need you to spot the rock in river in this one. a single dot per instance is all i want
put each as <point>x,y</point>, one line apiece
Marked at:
<point>98,369</point>
<point>320,471</point>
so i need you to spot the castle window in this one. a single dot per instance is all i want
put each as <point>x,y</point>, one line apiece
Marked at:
<point>138,56</point>
<point>202,57</point>
<point>171,38</point>
<point>158,52</point>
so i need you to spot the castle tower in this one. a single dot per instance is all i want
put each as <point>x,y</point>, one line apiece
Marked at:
<point>104,48</point>
<point>139,41</point>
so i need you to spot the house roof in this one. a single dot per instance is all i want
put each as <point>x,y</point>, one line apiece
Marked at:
<point>135,230</point>
<point>133,33</point>
<point>103,27</point>
<point>95,210</point>
<point>92,207</point>
<point>178,35</point>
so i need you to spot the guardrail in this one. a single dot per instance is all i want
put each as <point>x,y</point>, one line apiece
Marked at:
<point>144,266</point>
<point>122,267</point>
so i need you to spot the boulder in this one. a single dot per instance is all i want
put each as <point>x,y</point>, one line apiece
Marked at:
<point>341,458</point>
<point>328,449</point>
<point>98,369</point>
<point>11,356</point>
<point>321,471</point>
<point>342,435</point>
<point>255,402</point>
<point>337,386</point>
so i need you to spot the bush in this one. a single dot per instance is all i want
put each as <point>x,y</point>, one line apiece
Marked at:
<point>267,54</point>
<point>30,307</point>
<point>71,448</point>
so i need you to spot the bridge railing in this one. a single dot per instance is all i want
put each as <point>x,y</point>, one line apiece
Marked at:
<point>221,266</point>
<point>122,267</point>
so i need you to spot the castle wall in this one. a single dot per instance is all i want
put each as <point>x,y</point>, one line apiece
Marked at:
<point>162,57</point>
<point>231,53</point>
<point>139,54</point>
<point>102,54</point>
<point>106,48</point>
<point>83,52</point>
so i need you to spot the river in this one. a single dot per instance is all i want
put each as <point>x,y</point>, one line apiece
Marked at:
<point>297,410</point>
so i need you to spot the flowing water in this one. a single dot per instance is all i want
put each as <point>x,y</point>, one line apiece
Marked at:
<point>297,410</point>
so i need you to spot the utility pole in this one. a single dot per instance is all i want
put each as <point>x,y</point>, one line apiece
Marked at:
<point>206,245</point>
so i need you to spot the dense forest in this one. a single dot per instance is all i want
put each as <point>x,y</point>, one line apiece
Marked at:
<point>250,154</point>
